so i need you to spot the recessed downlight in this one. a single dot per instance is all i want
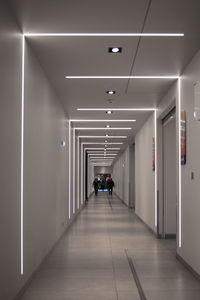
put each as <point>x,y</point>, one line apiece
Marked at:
<point>111,92</point>
<point>109,112</point>
<point>107,135</point>
<point>107,126</point>
<point>115,49</point>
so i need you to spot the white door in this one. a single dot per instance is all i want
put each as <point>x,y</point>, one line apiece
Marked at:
<point>169,172</point>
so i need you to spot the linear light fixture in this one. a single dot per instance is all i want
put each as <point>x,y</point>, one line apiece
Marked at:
<point>103,128</point>
<point>122,77</point>
<point>138,77</point>
<point>97,154</point>
<point>22,162</point>
<point>179,167</point>
<point>101,152</point>
<point>103,137</point>
<point>113,148</point>
<point>116,109</point>
<point>95,143</point>
<point>103,120</point>
<point>101,34</point>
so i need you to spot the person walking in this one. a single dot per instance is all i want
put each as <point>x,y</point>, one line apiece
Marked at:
<point>96,186</point>
<point>110,186</point>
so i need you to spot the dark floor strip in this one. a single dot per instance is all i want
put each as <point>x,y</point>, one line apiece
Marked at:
<point>109,202</point>
<point>135,276</point>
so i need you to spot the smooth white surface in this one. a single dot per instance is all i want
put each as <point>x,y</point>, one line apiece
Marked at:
<point>144,175</point>
<point>169,170</point>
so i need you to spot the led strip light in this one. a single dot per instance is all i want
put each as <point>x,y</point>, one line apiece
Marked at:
<point>129,77</point>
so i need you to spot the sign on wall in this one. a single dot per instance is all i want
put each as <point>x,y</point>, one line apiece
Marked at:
<point>153,153</point>
<point>183,137</point>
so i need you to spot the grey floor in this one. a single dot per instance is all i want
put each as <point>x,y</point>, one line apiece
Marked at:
<point>90,262</point>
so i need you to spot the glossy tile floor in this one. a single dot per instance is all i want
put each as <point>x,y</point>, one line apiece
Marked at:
<point>90,262</point>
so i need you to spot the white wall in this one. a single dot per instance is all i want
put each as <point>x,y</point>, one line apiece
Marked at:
<point>45,166</point>
<point>121,176</point>
<point>45,162</point>
<point>191,188</point>
<point>10,112</point>
<point>103,170</point>
<point>90,177</point>
<point>144,175</point>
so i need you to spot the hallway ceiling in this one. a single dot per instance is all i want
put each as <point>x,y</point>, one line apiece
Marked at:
<point>64,56</point>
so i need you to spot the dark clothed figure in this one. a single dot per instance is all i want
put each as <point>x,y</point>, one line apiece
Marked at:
<point>110,186</point>
<point>96,186</point>
<point>103,184</point>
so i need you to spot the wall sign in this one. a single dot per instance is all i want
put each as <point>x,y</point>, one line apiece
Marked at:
<point>153,153</point>
<point>183,137</point>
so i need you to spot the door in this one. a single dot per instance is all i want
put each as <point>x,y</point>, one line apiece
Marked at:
<point>169,175</point>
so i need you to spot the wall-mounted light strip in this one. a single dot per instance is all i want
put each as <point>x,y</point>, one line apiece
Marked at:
<point>155,178</point>
<point>121,77</point>
<point>22,160</point>
<point>103,128</point>
<point>74,159</point>
<point>69,169</point>
<point>104,34</point>
<point>179,166</point>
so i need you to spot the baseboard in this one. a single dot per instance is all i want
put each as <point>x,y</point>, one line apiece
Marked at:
<point>170,236</point>
<point>121,200</point>
<point>194,273</point>
<point>148,227</point>
<point>28,282</point>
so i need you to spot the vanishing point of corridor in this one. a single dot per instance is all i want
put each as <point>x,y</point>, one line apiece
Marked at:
<point>97,256</point>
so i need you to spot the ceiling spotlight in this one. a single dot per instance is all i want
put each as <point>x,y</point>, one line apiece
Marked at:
<point>107,135</point>
<point>114,49</point>
<point>107,126</point>
<point>106,141</point>
<point>111,92</point>
<point>109,112</point>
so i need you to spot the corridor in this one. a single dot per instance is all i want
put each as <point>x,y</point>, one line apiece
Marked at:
<point>91,261</point>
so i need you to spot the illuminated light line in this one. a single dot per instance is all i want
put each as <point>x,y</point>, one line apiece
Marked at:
<point>101,148</point>
<point>101,153</point>
<point>96,154</point>
<point>155,130</point>
<point>103,136</point>
<point>103,34</point>
<point>22,162</point>
<point>95,143</point>
<point>179,165</point>
<point>69,169</point>
<point>78,174</point>
<point>116,109</point>
<point>81,173</point>
<point>103,121</point>
<point>121,77</point>
<point>73,171</point>
<point>103,128</point>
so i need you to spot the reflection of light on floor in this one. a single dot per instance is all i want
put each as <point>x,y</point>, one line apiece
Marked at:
<point>101,190</point>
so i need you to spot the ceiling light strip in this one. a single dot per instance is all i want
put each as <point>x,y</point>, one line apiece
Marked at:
<point>103,128</point>
<point>103,121</point>
<point>104,34</point>
<point>116,109</point>
<point>122,77</point>
<point>103,137</point>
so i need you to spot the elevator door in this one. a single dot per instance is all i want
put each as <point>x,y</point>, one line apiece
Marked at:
<point>169,172</point>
